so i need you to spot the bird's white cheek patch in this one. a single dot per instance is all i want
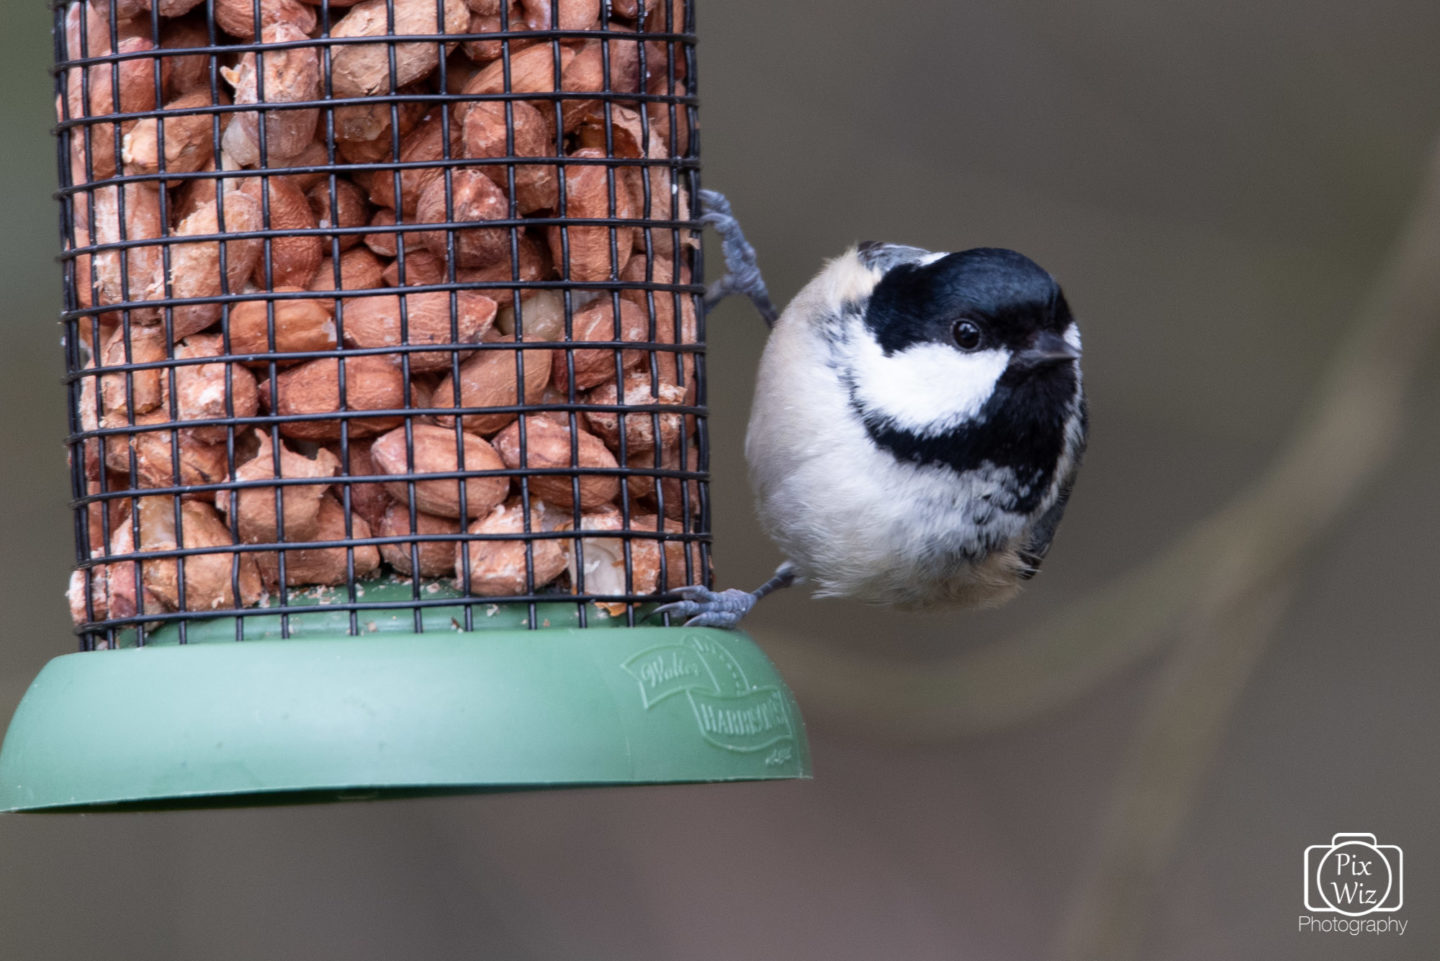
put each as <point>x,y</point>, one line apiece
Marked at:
<point>926,389</point>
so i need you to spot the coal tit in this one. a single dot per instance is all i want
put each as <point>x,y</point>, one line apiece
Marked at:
<point>917,425</point>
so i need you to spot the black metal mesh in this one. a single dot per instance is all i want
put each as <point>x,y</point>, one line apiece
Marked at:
<point>283,347</point>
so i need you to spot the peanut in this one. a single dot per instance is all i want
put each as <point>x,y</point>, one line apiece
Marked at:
<point>359,269</point>
<point>488,379</point>
<point>427,142</point>
<point>188,138</point>
<point>566,462</point>
<point>347,209</point>
<point>435,452</point>
<point>368,500</point>
<point>376,321</point>
<point>604,565</point>
<point>638,427</point>
<point>237,17</point>
<point>560,14</point>
<point>500,566</point>
<point>298,325</point>
<point>591,252</point>
<point>473,198</point>
<point>650,489</point>
<point>372,382</point>
<point>217,391</point>
<point>436,558</point>
<point>207,576</point>
<point>152,443</point>
<point>128,274</point>
<point>253,508</point>
<point>294,257</point>
<point>291,75</point>
<point>325,565</point>
<point>598,322</point>
<point>359,70</point>
<point>138,345</point>
<point>195,267</point>
<point>487,136</point>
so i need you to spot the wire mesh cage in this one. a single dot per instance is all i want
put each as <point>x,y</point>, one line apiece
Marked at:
<point>388,308</point>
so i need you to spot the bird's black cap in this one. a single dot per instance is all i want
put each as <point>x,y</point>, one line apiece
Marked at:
<point>1010,297</point>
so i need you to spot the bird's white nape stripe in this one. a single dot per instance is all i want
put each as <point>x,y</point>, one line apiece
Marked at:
<point>1072,335</point>
<point>927,388</point>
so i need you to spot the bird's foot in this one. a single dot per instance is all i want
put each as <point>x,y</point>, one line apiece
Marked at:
<point>742,273</point>
<point>702,607</point>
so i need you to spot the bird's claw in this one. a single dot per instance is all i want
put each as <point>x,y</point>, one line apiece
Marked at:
<point>742,272</point>
<point>702,607</point>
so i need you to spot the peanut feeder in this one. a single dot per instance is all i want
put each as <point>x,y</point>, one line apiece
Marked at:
<point>383,329</point>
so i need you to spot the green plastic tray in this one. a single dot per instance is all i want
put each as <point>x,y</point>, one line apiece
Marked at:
<point>321,716</point>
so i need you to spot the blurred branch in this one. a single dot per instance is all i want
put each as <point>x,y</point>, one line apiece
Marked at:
<point>1348,440</point>
<point>1178,735</point>
<point>1345,440</point>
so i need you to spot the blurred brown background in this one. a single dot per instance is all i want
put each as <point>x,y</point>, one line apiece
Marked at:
<point>1217,186</point>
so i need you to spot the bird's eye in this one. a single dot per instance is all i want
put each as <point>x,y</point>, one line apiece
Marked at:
<point>967,335</point>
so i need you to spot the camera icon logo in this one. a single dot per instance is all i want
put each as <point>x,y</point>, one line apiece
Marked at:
<point>1354,876</point>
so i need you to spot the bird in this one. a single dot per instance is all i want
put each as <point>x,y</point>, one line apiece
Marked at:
<point>918,421</point>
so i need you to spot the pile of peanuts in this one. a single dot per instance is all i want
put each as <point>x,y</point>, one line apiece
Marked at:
<point>236,276</point>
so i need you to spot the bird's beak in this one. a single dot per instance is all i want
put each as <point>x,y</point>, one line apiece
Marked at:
<point>1046,348</point>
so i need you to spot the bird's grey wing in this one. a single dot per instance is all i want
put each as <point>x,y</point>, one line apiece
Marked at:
<point>1034,551</point>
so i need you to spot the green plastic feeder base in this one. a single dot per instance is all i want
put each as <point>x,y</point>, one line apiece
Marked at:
<point>331,717</point>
